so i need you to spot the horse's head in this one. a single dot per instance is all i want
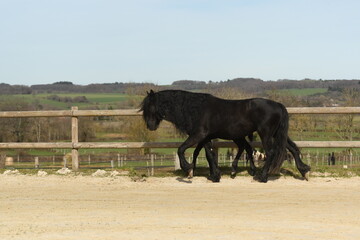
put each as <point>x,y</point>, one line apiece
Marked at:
<point>151,114</point>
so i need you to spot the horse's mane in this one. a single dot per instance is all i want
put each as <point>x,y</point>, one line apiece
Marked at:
<point>181,108</point>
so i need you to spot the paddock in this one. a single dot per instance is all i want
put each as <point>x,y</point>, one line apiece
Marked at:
<point>85,207</point>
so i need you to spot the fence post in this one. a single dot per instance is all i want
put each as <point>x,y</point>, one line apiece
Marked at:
<point>65,161</point>
<point>152,164</point>
<point>74,140</point>
<point>37,165</point>
<point>147,167</point>
<point>2,160</point>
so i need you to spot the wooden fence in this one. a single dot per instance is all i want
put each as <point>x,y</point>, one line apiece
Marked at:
<point>75,145</point>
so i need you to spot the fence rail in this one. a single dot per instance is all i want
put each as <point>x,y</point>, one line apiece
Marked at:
<point>75,145</point>
<point>136,112</point>
<point>136,145</point>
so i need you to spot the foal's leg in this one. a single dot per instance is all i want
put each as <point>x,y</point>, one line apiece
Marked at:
<point>243,144</point>
<point>303,168</point>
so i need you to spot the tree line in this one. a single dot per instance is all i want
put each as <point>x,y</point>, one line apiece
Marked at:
<point>252,85</point>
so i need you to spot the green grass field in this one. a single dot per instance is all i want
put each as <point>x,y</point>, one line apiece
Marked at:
<point>112,100</point>
<point>96,100</point>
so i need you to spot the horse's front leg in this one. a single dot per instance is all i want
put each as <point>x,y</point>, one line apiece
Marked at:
<point>190,141</point>
<point>249,153</point>
<point>215,173</point>
<point>196,153</point>
<point>234,165</point>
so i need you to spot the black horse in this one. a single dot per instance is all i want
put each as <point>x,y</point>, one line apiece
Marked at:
<point>204,117</point>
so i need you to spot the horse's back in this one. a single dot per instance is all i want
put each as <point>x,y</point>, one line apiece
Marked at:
<point>251,108</point>
<point>245,116</point>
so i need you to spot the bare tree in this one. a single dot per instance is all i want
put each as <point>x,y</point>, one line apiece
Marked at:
<point>229,93</point>
<point>136,131</point>
<point>345,127</point>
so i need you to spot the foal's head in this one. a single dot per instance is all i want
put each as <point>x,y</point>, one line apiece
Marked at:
<point>151,114</point>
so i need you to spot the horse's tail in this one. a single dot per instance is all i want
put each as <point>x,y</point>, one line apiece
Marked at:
<point>251,137</point>
<point>294,146</point>
<point>279,142</point>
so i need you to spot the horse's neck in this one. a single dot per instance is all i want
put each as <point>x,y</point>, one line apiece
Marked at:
<point>172,113</point>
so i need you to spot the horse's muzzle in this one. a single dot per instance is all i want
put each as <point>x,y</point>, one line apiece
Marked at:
<point>152,127</point>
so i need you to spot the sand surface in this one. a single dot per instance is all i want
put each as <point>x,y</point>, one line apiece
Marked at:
<point>86,207</point>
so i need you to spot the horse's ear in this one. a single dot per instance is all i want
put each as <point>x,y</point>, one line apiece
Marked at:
<point>151,93</point>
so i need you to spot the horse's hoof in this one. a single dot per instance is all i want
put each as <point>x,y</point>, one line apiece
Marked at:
<point>214,178</point>
<point>263,179</point>
<point>233,175</point>
<point>307,176</point>
<point>191,174</point>
<point>252,172</point>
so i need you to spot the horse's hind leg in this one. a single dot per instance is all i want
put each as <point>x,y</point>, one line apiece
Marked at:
<point>303,168</point>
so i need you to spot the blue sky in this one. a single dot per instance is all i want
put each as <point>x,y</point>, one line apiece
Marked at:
<point>161,41</point>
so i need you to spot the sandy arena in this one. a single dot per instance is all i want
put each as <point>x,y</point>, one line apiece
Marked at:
<point>86,207</point>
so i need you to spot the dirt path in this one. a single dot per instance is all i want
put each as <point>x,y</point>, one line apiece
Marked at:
<point>63,207</point>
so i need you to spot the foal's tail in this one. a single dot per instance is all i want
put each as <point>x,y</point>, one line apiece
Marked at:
<point>279,142</point>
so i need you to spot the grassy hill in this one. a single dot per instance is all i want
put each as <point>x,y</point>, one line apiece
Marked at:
<point>94,100</point>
